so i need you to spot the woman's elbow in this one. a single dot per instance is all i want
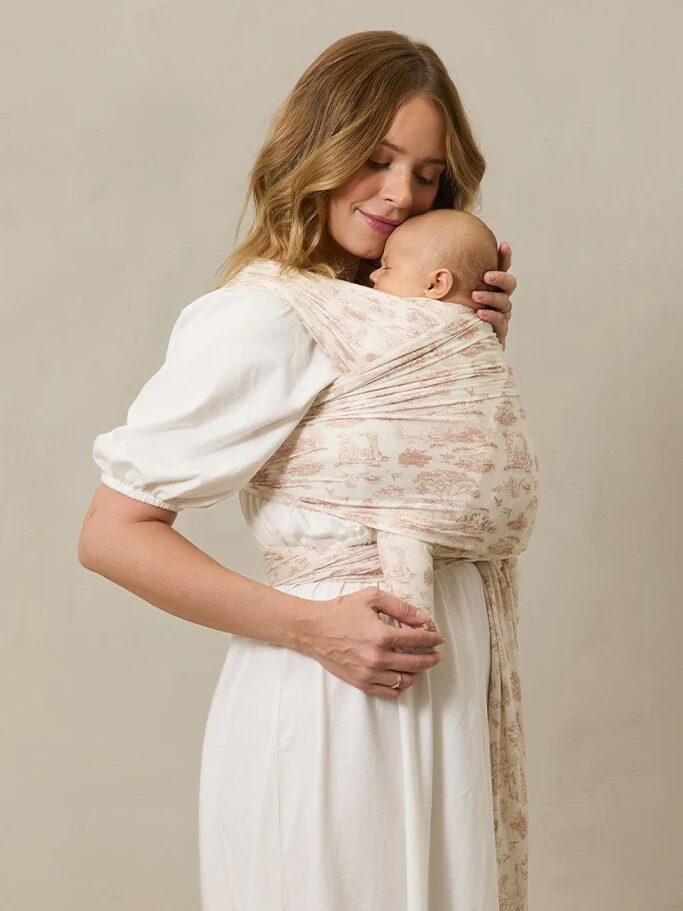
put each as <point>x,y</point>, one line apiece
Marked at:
<point>109,515</point>
<point>87,545</point>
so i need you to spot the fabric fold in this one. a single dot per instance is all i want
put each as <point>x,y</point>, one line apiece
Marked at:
<point>422,438</point>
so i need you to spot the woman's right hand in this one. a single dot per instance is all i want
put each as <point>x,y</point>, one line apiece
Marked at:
<point>351,641</point>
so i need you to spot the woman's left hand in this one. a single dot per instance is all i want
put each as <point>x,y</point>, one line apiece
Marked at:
<point>496,305</point>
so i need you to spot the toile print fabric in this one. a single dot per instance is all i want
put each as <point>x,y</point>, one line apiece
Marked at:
<point>422,437</point>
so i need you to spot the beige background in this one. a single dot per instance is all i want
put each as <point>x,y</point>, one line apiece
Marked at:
<point>129,131</point>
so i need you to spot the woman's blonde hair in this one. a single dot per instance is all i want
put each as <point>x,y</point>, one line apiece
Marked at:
<point>327,128</point>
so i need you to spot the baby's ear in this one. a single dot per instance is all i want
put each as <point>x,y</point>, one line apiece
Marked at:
<point>443,282</point>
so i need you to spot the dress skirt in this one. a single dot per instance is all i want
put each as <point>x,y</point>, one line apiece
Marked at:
<point>313,795</point>
<point>316,796</point>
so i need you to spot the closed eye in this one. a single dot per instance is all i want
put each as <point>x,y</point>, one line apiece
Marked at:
<point>378,165</point>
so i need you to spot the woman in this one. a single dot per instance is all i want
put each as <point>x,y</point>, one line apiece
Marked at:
<point>306,785</point>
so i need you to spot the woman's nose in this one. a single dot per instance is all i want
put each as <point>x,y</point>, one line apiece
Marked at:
<point>397,189</point>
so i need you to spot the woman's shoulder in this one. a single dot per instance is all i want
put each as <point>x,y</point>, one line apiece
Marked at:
<point>253,309</point>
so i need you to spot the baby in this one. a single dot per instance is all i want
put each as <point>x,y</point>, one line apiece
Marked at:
<point>423,435</point>
<point>442,254</point>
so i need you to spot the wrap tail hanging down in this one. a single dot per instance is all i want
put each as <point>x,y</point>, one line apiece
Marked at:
<point>408,569</point>
<point>422,436</point>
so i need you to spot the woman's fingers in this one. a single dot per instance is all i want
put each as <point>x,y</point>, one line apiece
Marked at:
<point>495,305</point>
<point>384,692</point>
<point>402,636</point>
<point>397,608</point>
<point>504,256</point>
<point>409,666</point>
<point>503,281</point>
<point>369,648</point>
<point>407,662</point>
<point>493,300</point>
<point>382,671</point>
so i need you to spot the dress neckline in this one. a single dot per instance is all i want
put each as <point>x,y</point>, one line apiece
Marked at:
<point>374,293</point>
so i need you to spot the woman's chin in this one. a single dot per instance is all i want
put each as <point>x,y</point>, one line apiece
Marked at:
<point>366,251</point>
<point>365,247</point>
<point>358,247</point>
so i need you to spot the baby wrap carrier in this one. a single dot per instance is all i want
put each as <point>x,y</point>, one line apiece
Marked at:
<point>422,438</point>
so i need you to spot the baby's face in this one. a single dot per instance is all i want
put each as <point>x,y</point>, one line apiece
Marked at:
<point>399,273</point>
<point>441,255</point>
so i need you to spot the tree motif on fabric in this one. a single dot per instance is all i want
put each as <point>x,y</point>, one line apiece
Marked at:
<point>422,438</point>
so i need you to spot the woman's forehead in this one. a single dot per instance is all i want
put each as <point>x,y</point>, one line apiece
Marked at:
<point>419,129</point>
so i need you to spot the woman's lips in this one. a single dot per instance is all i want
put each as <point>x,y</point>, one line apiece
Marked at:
<point>382,227</point>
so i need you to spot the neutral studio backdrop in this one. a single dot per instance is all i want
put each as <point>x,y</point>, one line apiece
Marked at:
<point>129,130</point>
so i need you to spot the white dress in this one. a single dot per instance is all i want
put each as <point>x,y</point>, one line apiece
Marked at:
<point>310,787</point>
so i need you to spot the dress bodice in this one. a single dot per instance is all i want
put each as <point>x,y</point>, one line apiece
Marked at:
<point>278,524</point>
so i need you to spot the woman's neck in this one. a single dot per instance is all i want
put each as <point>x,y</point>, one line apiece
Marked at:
<point>363,272</point>
<point>347,262</point>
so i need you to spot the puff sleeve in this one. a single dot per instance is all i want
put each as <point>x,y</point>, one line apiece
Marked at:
<point>240,372</point>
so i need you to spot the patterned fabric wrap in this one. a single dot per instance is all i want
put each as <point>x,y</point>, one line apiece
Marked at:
<point>423,438</point>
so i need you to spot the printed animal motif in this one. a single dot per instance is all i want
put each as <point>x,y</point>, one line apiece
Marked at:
<point>359,449</point>
<point>423,439</point>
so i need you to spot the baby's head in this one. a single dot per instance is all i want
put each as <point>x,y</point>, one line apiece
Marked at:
<point>442,254</point>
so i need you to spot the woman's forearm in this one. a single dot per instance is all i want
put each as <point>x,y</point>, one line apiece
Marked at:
<point>155,562</point>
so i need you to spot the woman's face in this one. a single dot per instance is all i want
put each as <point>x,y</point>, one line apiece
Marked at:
<point>395,184</point>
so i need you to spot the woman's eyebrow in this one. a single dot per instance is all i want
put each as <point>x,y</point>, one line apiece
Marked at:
<point>385,142</point>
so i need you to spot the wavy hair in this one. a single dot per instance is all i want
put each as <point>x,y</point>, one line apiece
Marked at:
<point>339,110</point>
